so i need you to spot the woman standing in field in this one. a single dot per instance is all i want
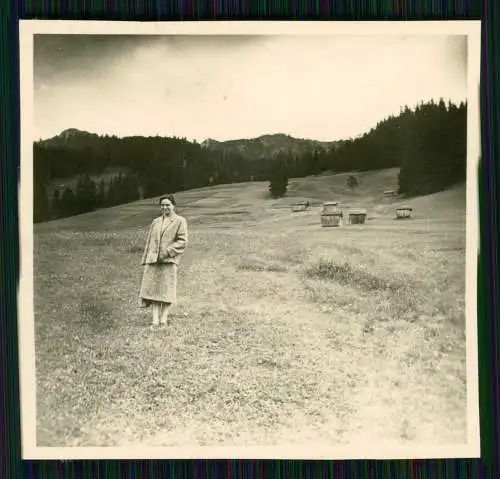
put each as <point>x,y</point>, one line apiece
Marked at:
<point>166,241</point>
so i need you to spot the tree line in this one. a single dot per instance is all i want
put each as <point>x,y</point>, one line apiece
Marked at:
<point>88,195</point>
<point>427,143</point>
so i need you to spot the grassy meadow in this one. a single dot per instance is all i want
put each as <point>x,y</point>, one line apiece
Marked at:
<point>285,332</point>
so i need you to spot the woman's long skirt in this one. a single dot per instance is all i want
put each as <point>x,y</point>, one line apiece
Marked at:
<point>159,283</point>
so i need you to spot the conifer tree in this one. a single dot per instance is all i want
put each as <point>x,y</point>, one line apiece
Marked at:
<point>352,182</point>
<point>278,180</point>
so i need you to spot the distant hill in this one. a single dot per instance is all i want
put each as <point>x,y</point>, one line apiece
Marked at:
<point>72,138</point>
<point>267,146</point>
<point>262,147</point>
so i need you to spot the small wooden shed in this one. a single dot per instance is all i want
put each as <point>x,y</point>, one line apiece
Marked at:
<point>301,206</point>
<point>357,217</point>
<point>331,208</point>
<point>404,212</point>
<point>331,214</point>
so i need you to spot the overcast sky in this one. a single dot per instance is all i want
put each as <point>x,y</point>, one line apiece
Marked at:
<point>225,87</point>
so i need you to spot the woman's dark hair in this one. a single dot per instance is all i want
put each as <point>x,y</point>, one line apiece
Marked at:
<point>169,197</point>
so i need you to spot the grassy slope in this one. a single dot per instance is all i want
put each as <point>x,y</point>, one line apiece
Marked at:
<point>284,331</point>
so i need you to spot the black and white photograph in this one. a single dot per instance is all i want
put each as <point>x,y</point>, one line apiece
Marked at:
<point>249,239</point>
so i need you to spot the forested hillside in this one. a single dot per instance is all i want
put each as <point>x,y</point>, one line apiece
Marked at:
<point>428,143</point>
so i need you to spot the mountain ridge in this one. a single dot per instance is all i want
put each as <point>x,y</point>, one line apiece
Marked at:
<point>262,146</point>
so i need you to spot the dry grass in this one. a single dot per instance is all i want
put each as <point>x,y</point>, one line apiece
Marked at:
<point>285,332</point>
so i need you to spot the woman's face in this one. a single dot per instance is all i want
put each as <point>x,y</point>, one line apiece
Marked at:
<point>166,207</point>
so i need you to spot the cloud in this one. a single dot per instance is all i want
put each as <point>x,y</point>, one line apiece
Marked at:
<point>227,87</point>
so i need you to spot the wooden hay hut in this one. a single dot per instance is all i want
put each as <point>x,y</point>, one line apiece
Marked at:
<point>332,214</point>
<point>404,212</point>
<point>301,206</point>
<point>357,217</point>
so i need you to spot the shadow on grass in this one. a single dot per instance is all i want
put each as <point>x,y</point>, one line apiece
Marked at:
<point>377,299</point>
<point>94,315</point>
<point>346,274</point>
